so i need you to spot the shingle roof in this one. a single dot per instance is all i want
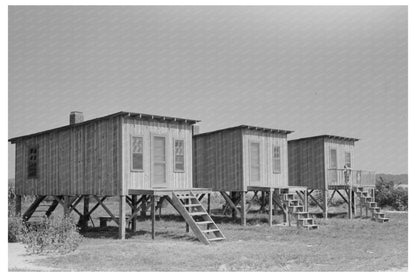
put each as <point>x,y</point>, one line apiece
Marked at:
<point>326,136</point>
<point>248,127</point>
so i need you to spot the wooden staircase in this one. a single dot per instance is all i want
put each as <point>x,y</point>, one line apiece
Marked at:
<point>294,206</point>
<point>195,215</point>
<point>367,202</point>
<point>40,208</point>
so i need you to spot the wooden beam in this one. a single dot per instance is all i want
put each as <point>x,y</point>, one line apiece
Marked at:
<point>66,206</point>
<point>229,201</point>
<point>133,208</point>
<point>243,208</point>
<point>122,216</point>
<point>96,205</point>
<point>316,202</point>
<point>201,197</point>
<point>121,207</point>
<point>342,196</point>
<point>325,204</point>
<point>152,212</point>
<point>271,207</point>
<point>349,204</point>
<point>209,204</point>
<point>18,205</point>
<point>85,216</point>
<point>332,196</point>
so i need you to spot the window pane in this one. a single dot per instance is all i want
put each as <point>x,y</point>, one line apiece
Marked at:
<point>348,159</point>
<point>137,153</point>
<point>180,166</point>
<point>255,161</point>
<point>179,155</point>
<point>159,149</point>
<point>276,159</point>
<point>32,169</point>
<point>137,161</point>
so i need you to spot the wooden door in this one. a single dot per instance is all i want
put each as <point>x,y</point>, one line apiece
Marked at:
<point>159,162</point>
<point>333,165</point>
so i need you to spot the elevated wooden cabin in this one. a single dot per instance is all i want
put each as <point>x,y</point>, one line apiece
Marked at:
<point>325,163</point>
<point>106,156</point>
<point>123,154</point>
<point>240,157</point>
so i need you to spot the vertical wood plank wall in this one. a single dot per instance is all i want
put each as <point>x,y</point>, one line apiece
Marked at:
<point>266,140</point>
<point>341,147</point>
<point>218,161</point>
<point>80,160</point>
<point>146,129</point>
<point>306,163</point>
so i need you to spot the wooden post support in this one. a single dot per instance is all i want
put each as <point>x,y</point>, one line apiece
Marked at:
<point>349,203</point>
<point>133,208</point>
<point>325,211</point>
<point>66,205</point>
<point>85,213</point>
<point>152,212</point>
<point>186,224</point>
<point>233,199</point>
<point>271,207</point>
<point>209,204</point>
<point>122,217</point>
<point>243,208</point>
<point>354,208</point>
<point>144,208</point>
<point>18,207</point>
<point>306,200</point>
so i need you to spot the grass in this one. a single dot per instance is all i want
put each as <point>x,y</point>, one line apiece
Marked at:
<point>339,245</point>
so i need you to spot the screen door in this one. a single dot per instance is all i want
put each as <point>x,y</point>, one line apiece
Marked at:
<point>333,165</point>
<point>159,161</point>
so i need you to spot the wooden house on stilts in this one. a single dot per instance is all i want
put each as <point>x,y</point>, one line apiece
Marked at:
<point>142,159</point>
<point>242,159</point>
<point>326,164</point>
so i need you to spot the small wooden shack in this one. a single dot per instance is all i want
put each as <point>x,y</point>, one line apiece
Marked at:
<point>125,154</point>
<point>326,163</point>
<point>244,158</point>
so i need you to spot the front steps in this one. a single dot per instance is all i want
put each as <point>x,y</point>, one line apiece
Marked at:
<point>195,215</point>
<point>367,202</point>
<point>294,207</point>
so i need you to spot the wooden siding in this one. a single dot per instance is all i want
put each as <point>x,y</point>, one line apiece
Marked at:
<point>306,163</point>
<point>218,161</point>
<point>78,160</point>
<point>147,129</point>
<point>267,141</point>
<point>341,146</point>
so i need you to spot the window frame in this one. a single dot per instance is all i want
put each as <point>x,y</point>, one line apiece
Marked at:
<point>174,156</point>
<point>279,159</point>
<point>131,153</point>
<point>250,159</point>
<point>36,176</point>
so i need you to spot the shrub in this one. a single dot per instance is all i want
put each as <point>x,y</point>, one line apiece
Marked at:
<point>388,195</point>
<point>51,235</point>
<point>16,227</point>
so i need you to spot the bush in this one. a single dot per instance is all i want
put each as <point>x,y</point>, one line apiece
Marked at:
<point>387,195</point>
<point>16,227</point>
<point>49,235</point>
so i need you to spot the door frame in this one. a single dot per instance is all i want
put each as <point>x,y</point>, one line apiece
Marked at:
<point>165,136</point>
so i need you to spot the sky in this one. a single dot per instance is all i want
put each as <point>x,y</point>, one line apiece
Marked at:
<point>314,70</point>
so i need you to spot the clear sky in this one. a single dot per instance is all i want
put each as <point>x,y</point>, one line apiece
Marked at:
<point>314,70</point>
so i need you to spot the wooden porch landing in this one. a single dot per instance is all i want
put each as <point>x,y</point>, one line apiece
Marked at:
<point>167,192</point>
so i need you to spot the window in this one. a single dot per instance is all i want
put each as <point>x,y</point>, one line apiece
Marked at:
<point>348,159</point>
<point>159,160</point>
<point>179,156</point>
<point>254,161</point>
<point>32,169</point>
<point>333,159</point>
<point>276,159</point>
<point>136,153</point>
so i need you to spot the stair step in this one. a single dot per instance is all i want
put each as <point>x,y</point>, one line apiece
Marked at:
<point>311,227</point>
<point>210,230</point>
<point>217,238</point>
<point>198,213</point>
<point>191,205</point>
<point>204,222</point>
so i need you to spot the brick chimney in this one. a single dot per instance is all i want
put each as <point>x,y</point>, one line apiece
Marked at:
<point>75,117</point>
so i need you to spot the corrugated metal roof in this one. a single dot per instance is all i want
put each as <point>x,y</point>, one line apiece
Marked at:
<point>262,129</point>
<point>326,136</point>
<point>129,114</point>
